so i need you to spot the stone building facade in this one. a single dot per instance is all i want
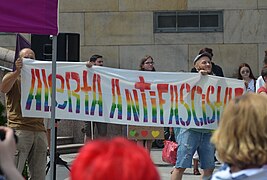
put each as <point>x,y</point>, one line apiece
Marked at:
<point>122,31</point>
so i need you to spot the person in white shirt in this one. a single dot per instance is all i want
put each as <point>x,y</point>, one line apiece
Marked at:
<point>245,74</point>
<point>260,82</point>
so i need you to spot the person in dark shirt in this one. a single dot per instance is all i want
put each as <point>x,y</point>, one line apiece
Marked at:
<point>102,128</point>
<point>217,70</point>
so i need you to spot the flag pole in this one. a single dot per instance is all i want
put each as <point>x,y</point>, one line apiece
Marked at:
<point>53,113</point>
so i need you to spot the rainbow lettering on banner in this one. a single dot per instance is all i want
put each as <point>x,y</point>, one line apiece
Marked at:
<point>142,86</point>
<point>100,95</point>
<point>35,73</point>
<point>116,88</point>
<point>44,82</point>
<point>97,81</point>
<point>131,106</point>
<point>86,89</point>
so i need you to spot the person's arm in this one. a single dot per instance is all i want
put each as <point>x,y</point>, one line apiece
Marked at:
<point>10,78</point>
<point>89,64</point>
<point>203,72</point>
<point>7,155</point>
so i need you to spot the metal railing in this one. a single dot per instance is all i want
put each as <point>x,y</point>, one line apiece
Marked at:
<point>5,68</point>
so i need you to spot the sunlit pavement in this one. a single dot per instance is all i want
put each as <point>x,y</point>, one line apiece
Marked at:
<point>62,173</point>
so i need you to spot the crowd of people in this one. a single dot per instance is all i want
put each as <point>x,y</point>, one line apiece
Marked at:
<point>240,140</point>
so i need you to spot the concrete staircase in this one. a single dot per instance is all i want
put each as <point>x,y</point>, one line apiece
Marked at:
<point>66,145</point>
<point>70,135</point>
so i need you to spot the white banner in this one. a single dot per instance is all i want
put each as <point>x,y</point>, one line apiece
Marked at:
<point>167,99</point>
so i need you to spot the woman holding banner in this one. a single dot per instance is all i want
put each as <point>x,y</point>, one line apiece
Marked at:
<point>146,64</point>
<point>192,140</point>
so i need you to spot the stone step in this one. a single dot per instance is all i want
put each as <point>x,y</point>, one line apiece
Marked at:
<point>61,140</point>
<point>68,148</point>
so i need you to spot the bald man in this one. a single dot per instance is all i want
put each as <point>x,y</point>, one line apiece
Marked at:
<point>32,140</point>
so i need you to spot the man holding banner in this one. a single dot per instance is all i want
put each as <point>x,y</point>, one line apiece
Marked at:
<point>192,139</point>
<point>32,141</point>
<point>96,60</point>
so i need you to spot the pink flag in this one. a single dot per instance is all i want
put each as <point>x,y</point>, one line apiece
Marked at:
<point>29,16</point>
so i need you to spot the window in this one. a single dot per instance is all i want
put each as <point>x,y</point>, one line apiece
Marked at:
<point>188,21</point>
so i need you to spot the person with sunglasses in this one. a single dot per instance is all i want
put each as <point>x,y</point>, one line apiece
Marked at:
<point>245,73</point>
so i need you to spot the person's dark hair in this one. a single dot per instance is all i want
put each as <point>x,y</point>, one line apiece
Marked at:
<point>208,50</point>
<point>142,62</point>
<point>264,72</point>
<point>95,57</point>
<point>265,58</point>
<point>250,74</point>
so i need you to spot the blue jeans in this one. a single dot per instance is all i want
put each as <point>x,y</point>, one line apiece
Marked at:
<point>190,141</point>
<point>176,131</point>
